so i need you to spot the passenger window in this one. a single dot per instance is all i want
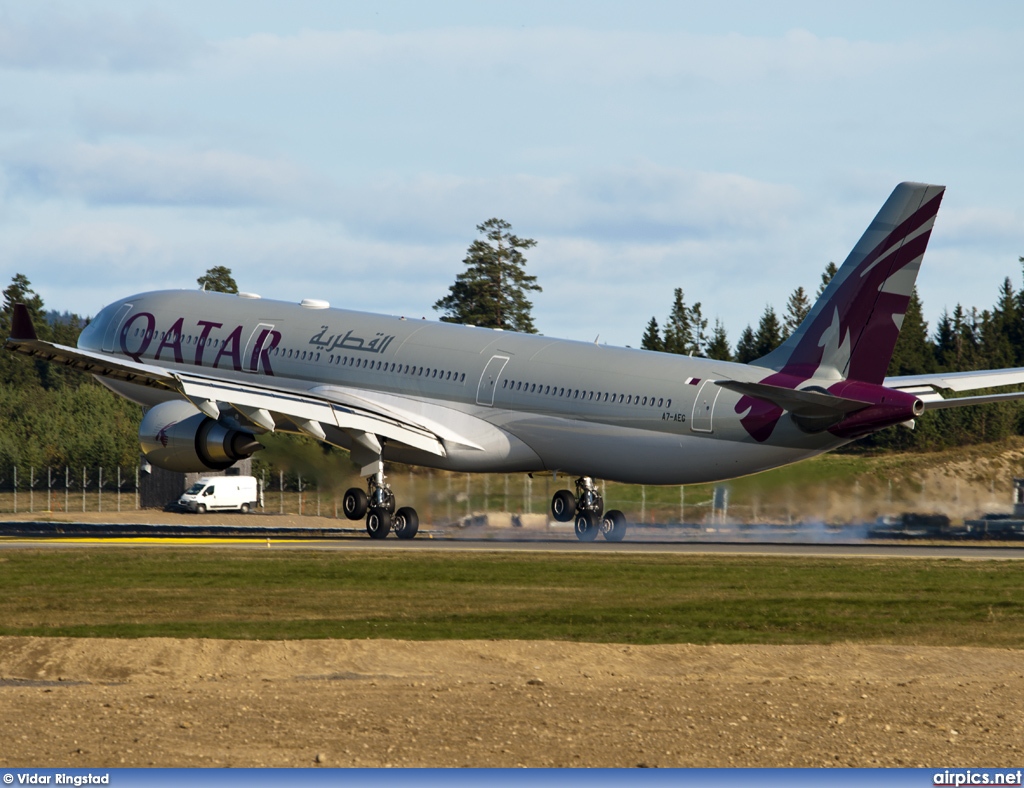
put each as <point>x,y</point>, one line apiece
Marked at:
<point>660,401</point>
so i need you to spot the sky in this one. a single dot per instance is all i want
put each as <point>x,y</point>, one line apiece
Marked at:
<point>347,151</point>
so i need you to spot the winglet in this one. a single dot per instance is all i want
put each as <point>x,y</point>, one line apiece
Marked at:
<point>21,323</point>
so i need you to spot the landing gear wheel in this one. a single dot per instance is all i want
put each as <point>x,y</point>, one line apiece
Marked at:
<point>378,523</point>
<point>201,508</point>
<point>587,526</point>
<point>407,523</point>
<point>244,508</point>
<point>563,506</point>
<point>613,525</point>
<point>354,503</point>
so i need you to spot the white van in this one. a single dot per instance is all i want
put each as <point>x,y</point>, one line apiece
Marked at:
<point>221,493</point>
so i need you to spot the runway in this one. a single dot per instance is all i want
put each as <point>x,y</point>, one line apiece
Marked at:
<point>354,540</point>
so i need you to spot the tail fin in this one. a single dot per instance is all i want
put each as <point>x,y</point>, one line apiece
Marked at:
<point>851,330</point>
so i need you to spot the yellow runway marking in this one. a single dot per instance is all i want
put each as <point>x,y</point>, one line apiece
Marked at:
<point>189,540</point>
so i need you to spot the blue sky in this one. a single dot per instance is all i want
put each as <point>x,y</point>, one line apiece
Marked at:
<point>347,151</point>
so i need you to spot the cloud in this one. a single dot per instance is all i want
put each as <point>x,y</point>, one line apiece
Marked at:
<point>49,38</point>
<point>559,54</point>
<point>642,201</point>
<point>970,226</point>
<point>124,173</point>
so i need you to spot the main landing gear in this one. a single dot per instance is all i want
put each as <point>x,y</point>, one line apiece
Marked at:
<point>378,507</point>
<point>587,507</point>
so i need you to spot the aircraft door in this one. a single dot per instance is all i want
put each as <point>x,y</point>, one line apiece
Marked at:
<point>704,407</point>
<point>258,337</point>
<point>489,380</point>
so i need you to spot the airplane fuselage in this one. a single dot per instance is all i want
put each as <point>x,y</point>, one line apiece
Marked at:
<point>525,402</point>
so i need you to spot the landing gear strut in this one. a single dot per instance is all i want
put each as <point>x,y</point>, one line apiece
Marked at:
<point>587,509</point>
<point>378,506</point>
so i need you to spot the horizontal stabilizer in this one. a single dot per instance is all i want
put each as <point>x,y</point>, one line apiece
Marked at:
<point>803,403</point>
<point>927,387</point>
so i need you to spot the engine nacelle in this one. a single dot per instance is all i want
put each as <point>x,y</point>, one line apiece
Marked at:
<point>176,436</point>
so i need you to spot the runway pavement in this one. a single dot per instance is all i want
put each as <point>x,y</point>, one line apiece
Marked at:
<point>355,539</point>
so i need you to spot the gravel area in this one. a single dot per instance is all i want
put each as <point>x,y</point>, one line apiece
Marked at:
<point>165,702</point>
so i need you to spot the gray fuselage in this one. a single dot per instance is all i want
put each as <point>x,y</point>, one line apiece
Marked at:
<point>522,402</point>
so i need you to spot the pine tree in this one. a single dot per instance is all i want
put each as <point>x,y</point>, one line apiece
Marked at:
<point>946,342</point>
<point>652,337</point>
<point>1002,345</point>
<point>826,277</point>
<point>746,348</point>
<point>219,280</point>
<point>718,347</point>
<point>491,292</point>
<point>769,333</point>
<point>698,331</point>
<point>16,369</point>
<point>914,354</point>
<point>678,331</point>
<point>797,308</point>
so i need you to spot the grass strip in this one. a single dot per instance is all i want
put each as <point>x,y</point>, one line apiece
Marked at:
<point>597,598</point>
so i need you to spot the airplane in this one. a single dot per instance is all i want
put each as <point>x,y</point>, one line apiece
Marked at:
<point>216,371</point>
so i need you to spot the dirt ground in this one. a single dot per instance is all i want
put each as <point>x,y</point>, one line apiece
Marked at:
<point>164,702</point>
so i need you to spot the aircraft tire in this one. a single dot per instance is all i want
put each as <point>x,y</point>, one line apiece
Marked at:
<point>563,506</point>
<point>587,526</point>
<point>406,523</point>
<point>378,523</point>
<point>354,503</point>
<point>613,525</point>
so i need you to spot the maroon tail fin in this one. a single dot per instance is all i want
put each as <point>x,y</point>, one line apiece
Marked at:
<point>851,331</point>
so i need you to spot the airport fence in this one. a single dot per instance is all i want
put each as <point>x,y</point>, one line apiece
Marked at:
<point>458,498</point>
<point>30,489</point>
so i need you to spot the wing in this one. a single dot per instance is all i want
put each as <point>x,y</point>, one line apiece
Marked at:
<point>928,388</point>
<point>334,414</point>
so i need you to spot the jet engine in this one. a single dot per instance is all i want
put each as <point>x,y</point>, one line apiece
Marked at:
<point>176,436</point>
